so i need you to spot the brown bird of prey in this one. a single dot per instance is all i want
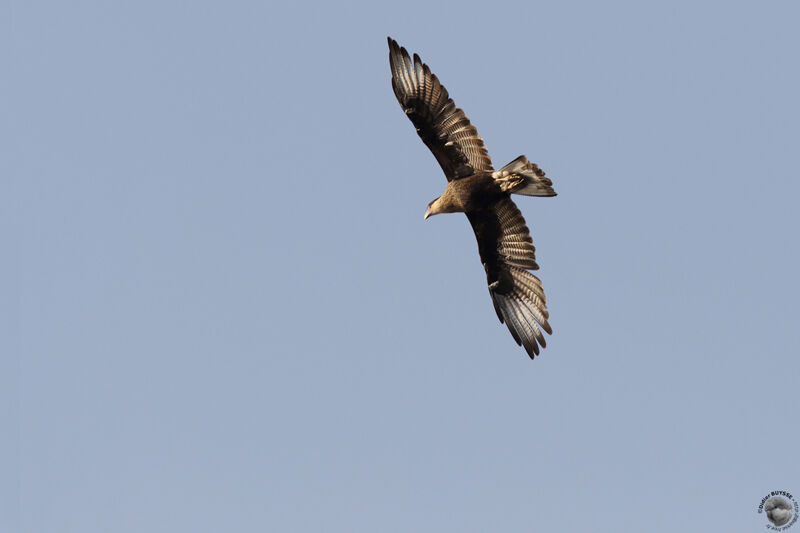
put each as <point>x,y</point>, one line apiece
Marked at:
<point>482,193</point>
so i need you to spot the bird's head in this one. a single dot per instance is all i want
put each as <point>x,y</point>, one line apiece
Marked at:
<point>443,204</point>
<point>432,209</point>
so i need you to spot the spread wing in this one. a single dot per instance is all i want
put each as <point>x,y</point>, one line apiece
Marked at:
<point>507,253</point>
<point>444,128</point>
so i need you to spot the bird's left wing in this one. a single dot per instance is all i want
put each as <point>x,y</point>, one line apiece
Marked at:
<point>443,127</point>
<point>507,253</point>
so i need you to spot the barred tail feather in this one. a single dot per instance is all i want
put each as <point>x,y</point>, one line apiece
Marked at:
<point>523,177</point>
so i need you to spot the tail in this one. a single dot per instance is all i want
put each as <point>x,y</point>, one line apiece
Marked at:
<point>523,177</point>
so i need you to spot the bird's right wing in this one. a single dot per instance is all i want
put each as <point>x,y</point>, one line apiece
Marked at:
<point>443,127</point>
<point>507,253</point>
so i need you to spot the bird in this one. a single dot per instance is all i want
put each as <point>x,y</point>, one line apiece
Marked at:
<point>476,189</point>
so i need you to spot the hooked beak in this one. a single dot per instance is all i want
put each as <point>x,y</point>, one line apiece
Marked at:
<point>427,213</point>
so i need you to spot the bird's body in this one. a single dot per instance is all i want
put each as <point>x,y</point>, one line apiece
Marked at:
<point>472,193</point>
<point>482,193</point>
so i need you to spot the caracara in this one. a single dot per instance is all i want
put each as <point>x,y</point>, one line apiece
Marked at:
<point>482,193</point>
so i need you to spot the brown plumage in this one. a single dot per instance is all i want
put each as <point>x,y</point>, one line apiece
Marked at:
<point>483,194</point>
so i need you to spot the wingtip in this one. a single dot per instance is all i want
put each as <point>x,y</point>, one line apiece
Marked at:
<point>395,48</point>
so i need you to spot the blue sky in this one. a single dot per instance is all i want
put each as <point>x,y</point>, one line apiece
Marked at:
<point>227,313</point>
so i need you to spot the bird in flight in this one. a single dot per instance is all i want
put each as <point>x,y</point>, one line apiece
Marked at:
<point>482,193</point>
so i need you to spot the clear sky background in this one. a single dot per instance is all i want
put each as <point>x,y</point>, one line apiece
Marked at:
<point>226,313</point>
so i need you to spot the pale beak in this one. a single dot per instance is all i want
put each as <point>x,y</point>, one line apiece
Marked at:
<point>428,213</point>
